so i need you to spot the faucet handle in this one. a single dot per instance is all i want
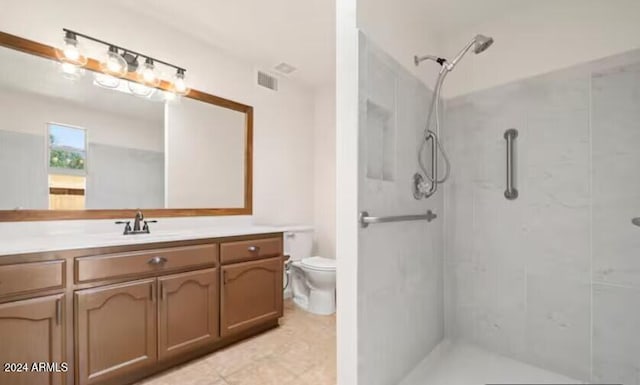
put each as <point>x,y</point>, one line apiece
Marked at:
<point>127,226</point>
<point>145,228</point>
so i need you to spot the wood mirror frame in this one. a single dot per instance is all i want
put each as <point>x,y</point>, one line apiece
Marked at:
<point>48,52</point>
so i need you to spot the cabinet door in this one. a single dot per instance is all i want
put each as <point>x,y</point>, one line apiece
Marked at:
<point>116,330</point>
<point>251,294</point>
<point>31,331</point>
<point>188,311</point>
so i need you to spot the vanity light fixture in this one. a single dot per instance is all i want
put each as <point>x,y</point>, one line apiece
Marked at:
<point>148,74</point>
<point>179,85</point>
<point>119,62</point>
<point>71,52</point>
<point>113,64</point>
<point>71,71</point>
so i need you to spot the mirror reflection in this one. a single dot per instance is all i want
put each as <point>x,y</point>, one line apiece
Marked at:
<point>97,142</point>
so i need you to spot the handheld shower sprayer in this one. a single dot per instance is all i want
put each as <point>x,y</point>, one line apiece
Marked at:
<point>421,188</point>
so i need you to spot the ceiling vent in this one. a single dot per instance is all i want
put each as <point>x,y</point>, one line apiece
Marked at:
<point>285,68</point>
<point>267,81</point>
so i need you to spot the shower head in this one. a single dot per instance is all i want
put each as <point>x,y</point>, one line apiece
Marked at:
<point>482,42</point>
<point>479,44</point>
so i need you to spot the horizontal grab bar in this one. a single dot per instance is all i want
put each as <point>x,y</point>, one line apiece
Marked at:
<point>365,219</point>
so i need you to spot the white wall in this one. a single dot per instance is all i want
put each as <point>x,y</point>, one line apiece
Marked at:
<point>324,141</point>
<point>399,29</point>
<point>283,130</point>
<point>540,37</point>
<point>347,191</point>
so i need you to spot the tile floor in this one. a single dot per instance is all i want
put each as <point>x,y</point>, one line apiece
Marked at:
<point>302,351</point>
<point>462,364</point>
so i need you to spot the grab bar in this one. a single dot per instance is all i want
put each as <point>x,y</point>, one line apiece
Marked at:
<point>365,219</point>
<point>511,192</point>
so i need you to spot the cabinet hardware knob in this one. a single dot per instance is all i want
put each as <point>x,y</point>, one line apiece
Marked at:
<point>253,248</point>
<point>157,260</point>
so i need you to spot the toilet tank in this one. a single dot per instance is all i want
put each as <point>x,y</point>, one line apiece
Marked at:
<point>298,243</point>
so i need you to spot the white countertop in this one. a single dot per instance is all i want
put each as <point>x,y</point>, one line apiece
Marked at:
<point>57,236</point>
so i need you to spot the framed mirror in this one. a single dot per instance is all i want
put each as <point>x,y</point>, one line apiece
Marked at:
<point>95,147</point>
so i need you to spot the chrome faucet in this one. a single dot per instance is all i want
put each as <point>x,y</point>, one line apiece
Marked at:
<point>139,218</point>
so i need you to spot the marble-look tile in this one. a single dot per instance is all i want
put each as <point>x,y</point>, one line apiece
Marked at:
<point>616,341</point>
<point>400,264</point>
<point>616,187</point>
<point>558,325</point>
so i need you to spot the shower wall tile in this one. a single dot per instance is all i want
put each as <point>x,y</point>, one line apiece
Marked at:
<point>616,186</point>
<point>616,341</point>
<point>400,270</point>
<point>553,277</point>
<point>558,324</point>
<point>528,260</point>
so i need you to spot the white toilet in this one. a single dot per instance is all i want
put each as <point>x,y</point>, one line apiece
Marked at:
<point>312,279</point>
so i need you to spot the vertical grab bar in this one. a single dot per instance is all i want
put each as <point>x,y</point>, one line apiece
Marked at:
<point>511,192</point>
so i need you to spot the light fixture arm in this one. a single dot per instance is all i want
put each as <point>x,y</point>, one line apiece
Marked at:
<point>119,48</point>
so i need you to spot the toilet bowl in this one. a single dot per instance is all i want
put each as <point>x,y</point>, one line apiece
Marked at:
<point>314,285</point>
<point>313,279</point>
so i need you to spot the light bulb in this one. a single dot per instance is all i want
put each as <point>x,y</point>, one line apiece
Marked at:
<point>71,71</point>
<point>70,51</point>
<point>179,84</point>
<point>148,74</point>
<point>113,63</point>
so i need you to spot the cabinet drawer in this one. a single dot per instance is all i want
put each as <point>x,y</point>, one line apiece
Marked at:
<point>26,277</point>
<point>232,252</point>
<point>110,266</point>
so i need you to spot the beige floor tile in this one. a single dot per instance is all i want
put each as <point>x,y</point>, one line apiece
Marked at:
<point>264,372</point>
<point>301,351</point>
<point>322,374</point>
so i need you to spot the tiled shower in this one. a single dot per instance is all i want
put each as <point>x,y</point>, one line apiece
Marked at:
<point>551,278</point>
<point>401,303</point>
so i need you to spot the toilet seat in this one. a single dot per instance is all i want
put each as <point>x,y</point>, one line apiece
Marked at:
<point>319,264</point>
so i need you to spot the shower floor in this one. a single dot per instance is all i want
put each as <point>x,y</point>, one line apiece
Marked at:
<point>463,364</point>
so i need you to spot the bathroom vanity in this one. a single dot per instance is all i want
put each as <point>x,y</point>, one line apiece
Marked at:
<point>117,314</point>
<point>83,304</point>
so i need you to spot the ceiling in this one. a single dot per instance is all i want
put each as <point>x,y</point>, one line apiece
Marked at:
<point>301,32</point>
<point>298,32</point>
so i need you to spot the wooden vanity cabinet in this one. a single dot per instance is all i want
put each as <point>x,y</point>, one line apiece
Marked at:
<point>187,312</point>
<point>127,312</point>
<point>115,330</point>
<point>251,294</point>
<point>31,331</point>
